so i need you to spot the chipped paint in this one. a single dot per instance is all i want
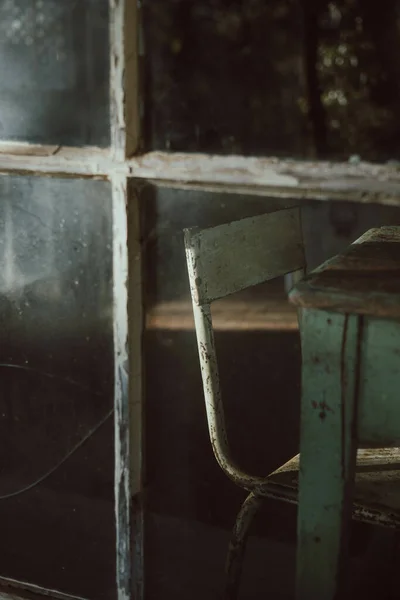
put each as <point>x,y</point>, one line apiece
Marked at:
<point>364,279</point>
<point>304,180</point>
<point>206,260</point>
<point>361,182</point>
<point>237,545</point>
<point>377,477</point>
<point>128,326</point>
<point>121,395</point>
<point>124,78</point>
<point>128,317</point>
<point>197,167</point>
<point>66,161</point>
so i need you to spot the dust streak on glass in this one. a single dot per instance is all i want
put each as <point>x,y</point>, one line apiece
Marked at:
<point>56,369</point>
<point>54,71</point>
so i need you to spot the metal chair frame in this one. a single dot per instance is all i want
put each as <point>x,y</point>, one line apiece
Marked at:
<point>221,261</point>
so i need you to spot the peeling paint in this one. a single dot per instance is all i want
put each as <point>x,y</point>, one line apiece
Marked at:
<point>280,178</point>
<point>121,398</point>
<point>377,476</point>
<point>362,280</point>
<point>201,251</point>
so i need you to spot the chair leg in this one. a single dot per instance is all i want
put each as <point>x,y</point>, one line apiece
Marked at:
<point>237,545</point>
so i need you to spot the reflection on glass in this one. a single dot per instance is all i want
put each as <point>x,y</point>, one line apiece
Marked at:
<point>56,369</point>
<point>54,71</point>
<point>286,77</point>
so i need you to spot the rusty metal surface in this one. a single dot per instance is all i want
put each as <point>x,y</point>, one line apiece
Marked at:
<point>377,489</point>
<point>237,545</point>
<point>234,256</point>
<point>216,270</point>
<point>222,261</point>
<point>365,279</point>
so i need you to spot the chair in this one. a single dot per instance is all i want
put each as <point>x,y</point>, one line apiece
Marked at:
<point>221,261</point>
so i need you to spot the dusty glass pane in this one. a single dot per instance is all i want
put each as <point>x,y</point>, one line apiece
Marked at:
<point>56,369</point>
<point>291,78</point>
<point>54,71</point>
<point>191,504</point>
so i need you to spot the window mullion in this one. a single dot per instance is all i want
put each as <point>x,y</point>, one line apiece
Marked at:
<point>124,77</point>
<point>128,319</point>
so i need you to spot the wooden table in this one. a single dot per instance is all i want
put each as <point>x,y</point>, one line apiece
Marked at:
<point>350,329</point>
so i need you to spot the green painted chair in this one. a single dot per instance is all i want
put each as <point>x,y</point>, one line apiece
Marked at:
<point>226,259</point>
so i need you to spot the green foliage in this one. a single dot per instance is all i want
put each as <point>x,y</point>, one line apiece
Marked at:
<point>296,78</point>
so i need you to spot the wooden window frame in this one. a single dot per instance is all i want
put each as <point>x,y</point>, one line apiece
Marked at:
<point>301,180</point>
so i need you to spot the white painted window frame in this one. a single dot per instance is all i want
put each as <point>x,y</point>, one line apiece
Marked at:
<point>362,182</point>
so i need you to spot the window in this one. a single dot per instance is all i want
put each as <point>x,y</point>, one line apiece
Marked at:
<point>120,124</point>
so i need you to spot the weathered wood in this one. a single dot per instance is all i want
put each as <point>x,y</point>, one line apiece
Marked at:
<point>27,159</point>
<point>330,354</point>
<point>364,183</point>
<point>365,279</point>
<point>124,77</point>
<point>350,381</point>
<point>122,475</point>
<point>128,314</point>
<point>226,259</point>
<point>27,149</point>
<point>128,317</point>
<point>379,420</point>
<point>376,491</point>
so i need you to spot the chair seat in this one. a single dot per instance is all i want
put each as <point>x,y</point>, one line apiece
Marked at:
<point>365,279</point>
<point>377,486</point>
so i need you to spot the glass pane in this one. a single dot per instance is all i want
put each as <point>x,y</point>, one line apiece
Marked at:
<point>56,369</point>
<point>284,77</point>
<point>192,505</point>
<point>54,71</point>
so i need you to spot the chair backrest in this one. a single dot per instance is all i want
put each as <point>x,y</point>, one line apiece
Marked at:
<point>223,260</point>
<point>226,259</point>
